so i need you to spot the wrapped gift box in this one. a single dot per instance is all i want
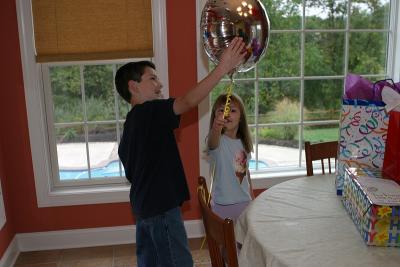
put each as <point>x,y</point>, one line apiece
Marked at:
<point>374,206</point>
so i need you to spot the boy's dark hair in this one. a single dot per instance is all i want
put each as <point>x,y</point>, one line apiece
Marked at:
<point>130,71</point>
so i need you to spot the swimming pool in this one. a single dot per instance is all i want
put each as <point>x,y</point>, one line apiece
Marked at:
<point>112,170</point>
<point>261,164</point>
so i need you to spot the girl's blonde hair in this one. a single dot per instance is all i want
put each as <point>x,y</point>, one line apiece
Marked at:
<point>243,132</point>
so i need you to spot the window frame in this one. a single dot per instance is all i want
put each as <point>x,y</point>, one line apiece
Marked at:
<point>265,179</point>
<point>57,183</point>
<point>47,194</point>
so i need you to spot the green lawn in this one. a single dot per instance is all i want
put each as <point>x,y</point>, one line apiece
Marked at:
<point>321,135</point>
<point>312,134</point>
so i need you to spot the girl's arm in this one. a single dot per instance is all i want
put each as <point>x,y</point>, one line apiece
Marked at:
<point>215,132</point>
<point>251,186</point>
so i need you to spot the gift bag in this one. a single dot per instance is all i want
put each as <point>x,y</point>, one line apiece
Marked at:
<point>363,125</point>
<point>363,130</point>
<point>391,162</point>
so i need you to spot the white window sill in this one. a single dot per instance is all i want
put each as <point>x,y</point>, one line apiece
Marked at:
<point>84,196</point>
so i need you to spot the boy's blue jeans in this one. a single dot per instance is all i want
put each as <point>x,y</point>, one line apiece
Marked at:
<point>161,241</point>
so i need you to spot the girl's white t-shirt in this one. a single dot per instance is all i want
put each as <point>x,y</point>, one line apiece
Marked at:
<point>231,181</point>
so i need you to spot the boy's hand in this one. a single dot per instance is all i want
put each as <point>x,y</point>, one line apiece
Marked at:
<point>230,59</point>
<point>232,56</point>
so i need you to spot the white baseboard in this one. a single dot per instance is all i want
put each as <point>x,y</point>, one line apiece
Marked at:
<point>10,255</point>
<point>90,237</point>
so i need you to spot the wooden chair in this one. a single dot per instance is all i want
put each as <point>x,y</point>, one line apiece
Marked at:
<point>219,233</point>
<point>320,151</point>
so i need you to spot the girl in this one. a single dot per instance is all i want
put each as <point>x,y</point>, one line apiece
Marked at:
<point>229,147</point>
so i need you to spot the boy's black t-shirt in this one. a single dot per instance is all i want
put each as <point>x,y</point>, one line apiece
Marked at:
<point>151,159</point>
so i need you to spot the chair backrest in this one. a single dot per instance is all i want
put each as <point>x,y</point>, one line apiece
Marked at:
<point>219,232</point>
<point>320,151</point>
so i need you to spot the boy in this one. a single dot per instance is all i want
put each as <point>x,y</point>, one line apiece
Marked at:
<point>150,156</point>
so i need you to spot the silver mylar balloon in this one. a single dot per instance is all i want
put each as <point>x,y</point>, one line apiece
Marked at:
<point>222,20</point>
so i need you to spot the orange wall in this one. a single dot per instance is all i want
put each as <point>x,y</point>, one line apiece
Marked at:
<point>181,28</point>
<point>10,77</point>
<point>16,163</point>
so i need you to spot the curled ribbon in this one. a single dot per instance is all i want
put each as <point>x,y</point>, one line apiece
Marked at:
<point>227,108</point>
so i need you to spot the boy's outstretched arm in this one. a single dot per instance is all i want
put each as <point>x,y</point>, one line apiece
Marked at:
<point>231,58</point>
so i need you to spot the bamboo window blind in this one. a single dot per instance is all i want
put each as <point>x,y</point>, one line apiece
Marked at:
<point>75,30</point>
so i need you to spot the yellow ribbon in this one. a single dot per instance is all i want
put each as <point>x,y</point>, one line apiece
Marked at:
<point>227,108</point>
<point>227,111</point>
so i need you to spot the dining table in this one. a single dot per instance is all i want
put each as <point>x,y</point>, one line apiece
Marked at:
<point>302,222</point>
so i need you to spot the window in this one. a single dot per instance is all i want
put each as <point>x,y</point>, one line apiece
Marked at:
<point>75,119</point>
<point>294,93</point>
<point>85,120</point>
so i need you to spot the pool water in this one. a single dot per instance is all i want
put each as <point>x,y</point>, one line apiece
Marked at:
<point>261,164</point>
<point>112,170</point>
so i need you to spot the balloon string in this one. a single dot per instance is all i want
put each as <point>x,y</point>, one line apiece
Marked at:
<point>203,242</point>
<point>227,108</point>
<point>227,111</point>
<point>208,201</point>
<point>211,183</point>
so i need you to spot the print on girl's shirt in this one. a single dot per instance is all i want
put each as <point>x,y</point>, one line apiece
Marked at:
<point>240,164</point>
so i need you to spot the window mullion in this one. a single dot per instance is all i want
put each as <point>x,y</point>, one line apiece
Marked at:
<point>393,71</point>
<point>346,44</point>
<point>302,52</point>
<point>327,30</point>
<point>85,124</point>
<point>275,124</point>
<point>114,68</point>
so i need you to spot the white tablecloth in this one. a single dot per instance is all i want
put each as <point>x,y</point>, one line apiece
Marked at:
<point>302,222</point>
